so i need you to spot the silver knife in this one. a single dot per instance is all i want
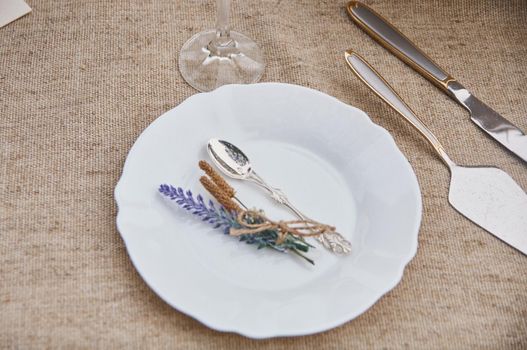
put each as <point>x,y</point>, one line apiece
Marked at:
<point>485,117</point>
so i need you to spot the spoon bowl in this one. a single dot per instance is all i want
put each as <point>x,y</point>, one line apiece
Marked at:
<point>229,159</point>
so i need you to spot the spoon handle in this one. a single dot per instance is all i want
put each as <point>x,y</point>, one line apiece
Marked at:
<point>276,193</point>
<point>334,241</point>
<point>377,84</point>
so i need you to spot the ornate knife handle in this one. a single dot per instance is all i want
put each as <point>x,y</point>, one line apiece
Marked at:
<point>334,242</point>
<point>395,41</point>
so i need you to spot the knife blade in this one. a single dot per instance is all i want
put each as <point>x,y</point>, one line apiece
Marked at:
<point>482,115</point>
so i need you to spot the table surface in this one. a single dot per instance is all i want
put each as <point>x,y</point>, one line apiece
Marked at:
<point>80,80</point>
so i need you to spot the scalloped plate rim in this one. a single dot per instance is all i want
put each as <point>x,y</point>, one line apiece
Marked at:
<point>266,335</point>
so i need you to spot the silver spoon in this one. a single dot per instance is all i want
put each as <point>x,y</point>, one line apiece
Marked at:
<point>234,163</point>
<point>487,196</point>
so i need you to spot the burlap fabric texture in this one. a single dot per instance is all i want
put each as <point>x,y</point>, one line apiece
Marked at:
<point>80,80</point>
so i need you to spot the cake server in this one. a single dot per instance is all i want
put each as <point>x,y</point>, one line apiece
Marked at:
<point>487,196</point>
<point>482,115</point>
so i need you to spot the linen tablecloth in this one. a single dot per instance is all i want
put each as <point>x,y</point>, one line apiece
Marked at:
<point>80,80</point>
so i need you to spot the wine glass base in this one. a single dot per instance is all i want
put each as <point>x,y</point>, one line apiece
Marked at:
<point>205,69</point>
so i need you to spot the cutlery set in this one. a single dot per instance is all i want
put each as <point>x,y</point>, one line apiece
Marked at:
<point>487,196</point>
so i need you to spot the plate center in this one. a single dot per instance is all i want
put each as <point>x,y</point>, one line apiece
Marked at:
<point>313,186</point>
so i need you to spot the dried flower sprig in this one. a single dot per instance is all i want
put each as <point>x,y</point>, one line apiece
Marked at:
<point>222,218</point>
<point>217,178</point>
<point>221,196</point>
<point>219,188</point>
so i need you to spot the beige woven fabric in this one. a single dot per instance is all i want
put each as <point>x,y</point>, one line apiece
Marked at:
<point>80,80</point>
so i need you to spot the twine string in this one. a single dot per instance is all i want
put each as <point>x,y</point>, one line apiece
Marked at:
<point>300,228</point>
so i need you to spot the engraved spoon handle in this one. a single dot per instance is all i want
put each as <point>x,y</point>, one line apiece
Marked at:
<point>334,241</point>
<point>276,193</point>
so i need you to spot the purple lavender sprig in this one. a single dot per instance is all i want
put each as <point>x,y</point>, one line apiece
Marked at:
<point>219,218</point>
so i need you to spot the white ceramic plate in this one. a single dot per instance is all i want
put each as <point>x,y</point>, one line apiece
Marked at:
<point>334,164</point>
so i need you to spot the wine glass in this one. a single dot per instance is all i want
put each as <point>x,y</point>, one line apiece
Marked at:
<point>220,56</point>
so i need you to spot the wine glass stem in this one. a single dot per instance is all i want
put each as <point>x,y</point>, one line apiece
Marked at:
<point>222,45</point>
<point>222,18</point>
